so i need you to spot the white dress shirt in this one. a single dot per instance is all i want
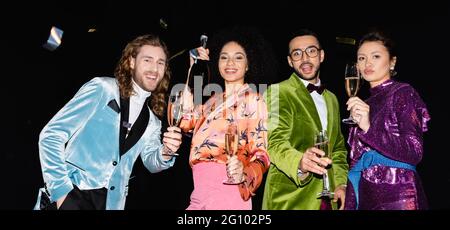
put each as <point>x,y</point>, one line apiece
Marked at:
<point>137,101</point>
<point>321,106</point>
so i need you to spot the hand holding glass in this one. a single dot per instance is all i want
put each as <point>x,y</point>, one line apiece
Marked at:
<point>321,142</point>
<point>352,85</point>
<point>174,115</point>
<point>231,147</point>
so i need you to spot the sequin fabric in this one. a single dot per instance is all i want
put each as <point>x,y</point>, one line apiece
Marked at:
<point>398,117</point>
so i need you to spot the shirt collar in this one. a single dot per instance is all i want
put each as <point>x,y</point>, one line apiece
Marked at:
<point>139,94</point>
<point>305,82</point>
<point>381,86</point>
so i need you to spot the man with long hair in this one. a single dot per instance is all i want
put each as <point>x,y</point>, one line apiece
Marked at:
<point>88,149</point>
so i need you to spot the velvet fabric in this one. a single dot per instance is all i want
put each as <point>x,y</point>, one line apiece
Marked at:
<point>80,145</point>
<point>293,123</point>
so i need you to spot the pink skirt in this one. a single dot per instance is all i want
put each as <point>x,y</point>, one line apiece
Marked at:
<point>209,191</point>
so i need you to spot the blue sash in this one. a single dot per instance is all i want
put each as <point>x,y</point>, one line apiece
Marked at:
<point>369,159</point>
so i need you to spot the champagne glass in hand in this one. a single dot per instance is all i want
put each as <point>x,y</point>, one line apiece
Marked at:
<point>174,115</point>
<point>231,146</point>
<point>321,142</point>
<point>352,85</point>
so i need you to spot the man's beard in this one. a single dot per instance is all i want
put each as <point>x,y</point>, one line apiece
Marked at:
<point>316,75</point>
<point>141,82</point>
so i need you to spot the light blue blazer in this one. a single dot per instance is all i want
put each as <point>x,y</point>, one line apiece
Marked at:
<point>80,146</point>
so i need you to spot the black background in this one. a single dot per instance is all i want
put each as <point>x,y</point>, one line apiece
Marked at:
<point>36,83</point>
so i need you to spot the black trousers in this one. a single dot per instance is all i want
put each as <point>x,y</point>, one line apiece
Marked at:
<point>94,199</point>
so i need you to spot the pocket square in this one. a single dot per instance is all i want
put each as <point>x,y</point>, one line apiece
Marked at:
<point>113,105</point>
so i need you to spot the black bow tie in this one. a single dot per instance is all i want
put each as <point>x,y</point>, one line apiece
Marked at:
<point>312,87</point>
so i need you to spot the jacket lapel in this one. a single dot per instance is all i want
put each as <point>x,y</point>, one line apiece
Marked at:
<point>138,129</point>
<point>331,113</point>
<point>306,99</point>
<point>124,114</point>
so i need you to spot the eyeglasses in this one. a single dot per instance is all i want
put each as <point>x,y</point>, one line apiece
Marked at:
<point>311,51</point>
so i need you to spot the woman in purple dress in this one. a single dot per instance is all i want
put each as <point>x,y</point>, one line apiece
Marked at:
<point>386,144</point>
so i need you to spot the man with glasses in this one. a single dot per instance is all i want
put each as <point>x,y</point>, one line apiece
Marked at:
<point>299,108</point>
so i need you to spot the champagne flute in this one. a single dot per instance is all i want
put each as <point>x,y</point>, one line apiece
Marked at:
<point>174,115</point>
<point>352,85</point>
<point>321,142</point>
<point>231,146</point>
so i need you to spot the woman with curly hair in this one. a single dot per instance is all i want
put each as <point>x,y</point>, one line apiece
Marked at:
<point>239,57</point>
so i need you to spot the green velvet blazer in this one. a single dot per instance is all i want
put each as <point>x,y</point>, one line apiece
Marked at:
<point>293,122</point>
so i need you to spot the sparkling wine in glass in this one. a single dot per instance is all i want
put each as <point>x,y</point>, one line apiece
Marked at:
<point>231,147</point>
<point>321,142</point>
<point>352,85</point>
<point>174,115</point>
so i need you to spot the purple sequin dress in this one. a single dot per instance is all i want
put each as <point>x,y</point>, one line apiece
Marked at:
<point>398,117</point>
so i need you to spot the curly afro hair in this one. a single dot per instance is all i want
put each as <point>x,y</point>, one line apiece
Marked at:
<point>262,66</point>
